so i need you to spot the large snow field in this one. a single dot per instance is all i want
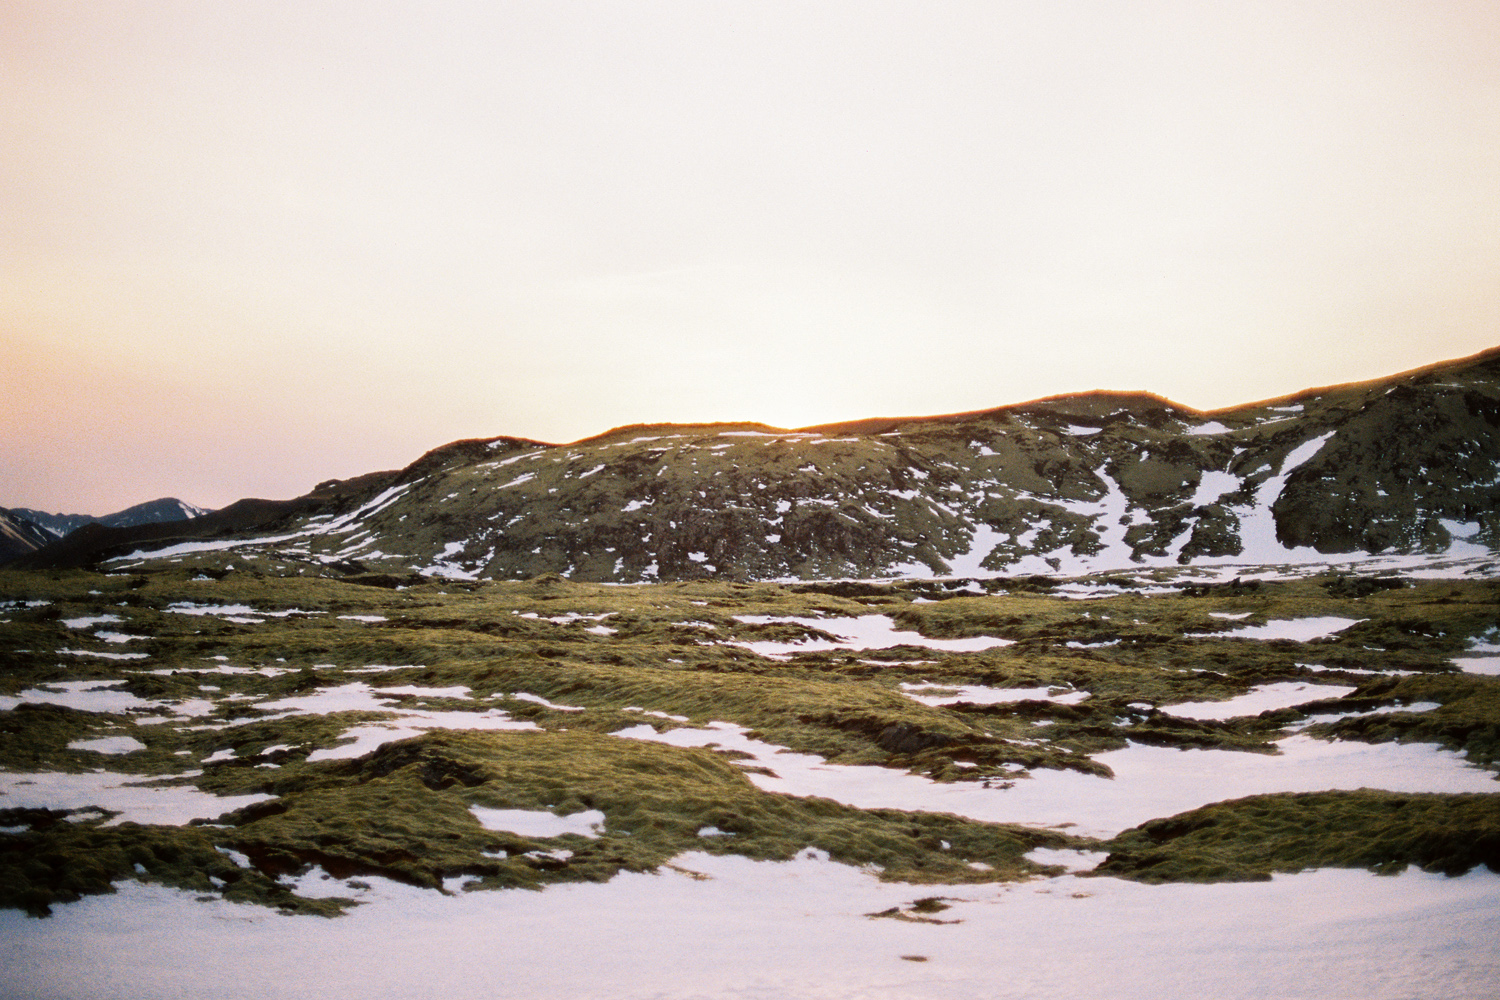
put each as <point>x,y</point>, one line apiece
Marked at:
<point>729,928</point>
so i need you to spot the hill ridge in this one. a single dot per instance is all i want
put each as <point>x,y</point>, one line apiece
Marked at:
<point>1074,483</point>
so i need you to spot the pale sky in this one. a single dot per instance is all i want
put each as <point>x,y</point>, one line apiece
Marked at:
<point>247,245</point>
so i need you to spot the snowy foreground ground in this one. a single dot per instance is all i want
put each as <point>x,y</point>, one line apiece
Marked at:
<point>788,929</point>
<point>724,926</point>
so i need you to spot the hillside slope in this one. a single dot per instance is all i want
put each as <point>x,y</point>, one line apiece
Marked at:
<point>1069,484</point>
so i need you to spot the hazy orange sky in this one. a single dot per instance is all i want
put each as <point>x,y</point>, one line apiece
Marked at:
<point>247,246</point>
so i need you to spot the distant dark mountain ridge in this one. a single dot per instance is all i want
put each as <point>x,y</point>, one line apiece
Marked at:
<point>41,528</point>
<point>1067,484</point>
<point>54,525</point>
<point>98,541</point>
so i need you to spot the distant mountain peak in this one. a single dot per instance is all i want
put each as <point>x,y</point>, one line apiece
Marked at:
<point>153,511</point>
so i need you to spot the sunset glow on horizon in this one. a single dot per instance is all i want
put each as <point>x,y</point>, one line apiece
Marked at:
<point>249,246</point>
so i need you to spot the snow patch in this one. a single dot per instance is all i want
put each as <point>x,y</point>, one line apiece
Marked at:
<point>109,745</point>
<point>540,824</point>
<point>864,632</point>
<point>1296,629</point>
<point>1262,698</point>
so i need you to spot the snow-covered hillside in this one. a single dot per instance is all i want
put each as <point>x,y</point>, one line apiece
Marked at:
<point>1067,485</point>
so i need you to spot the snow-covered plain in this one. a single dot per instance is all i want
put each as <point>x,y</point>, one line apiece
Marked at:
<point>796,930</point>
<point>803,929</point>
<point>728,927</point>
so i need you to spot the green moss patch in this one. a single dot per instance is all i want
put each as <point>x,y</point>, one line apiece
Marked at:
<point>403,811</point>
<point>1248,839</point>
